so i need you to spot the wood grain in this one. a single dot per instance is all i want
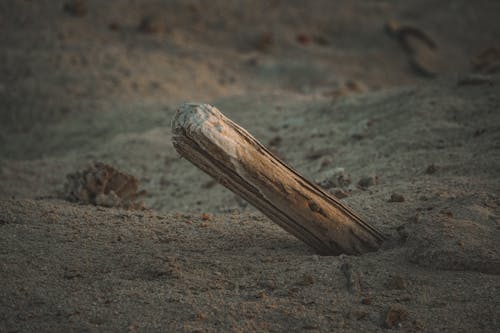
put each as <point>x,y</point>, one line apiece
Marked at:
<point>228,153</point>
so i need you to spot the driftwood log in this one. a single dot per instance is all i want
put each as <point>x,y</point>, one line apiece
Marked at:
<point>228,153</point>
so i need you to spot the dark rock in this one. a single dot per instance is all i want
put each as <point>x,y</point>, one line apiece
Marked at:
<point>368,181</point>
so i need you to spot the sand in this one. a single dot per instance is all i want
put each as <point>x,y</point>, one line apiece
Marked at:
<point>326,88</point>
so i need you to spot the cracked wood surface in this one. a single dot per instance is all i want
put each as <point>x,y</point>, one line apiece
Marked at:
<point>228,153</point>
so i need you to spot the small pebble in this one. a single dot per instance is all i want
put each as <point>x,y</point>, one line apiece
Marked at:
<point>396,197</point>
<point>368,181</point>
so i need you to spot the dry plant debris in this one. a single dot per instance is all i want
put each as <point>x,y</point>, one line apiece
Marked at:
<point>103,185</point>
<point>420,47</point>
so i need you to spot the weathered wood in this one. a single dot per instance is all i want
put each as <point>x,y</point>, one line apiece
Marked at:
<point>227,152</point>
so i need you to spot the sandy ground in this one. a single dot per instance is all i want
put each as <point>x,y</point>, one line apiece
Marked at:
<point>325,87</point>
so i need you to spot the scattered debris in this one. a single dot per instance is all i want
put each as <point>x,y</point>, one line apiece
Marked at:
<point>152,25</point>
<point>394,316</point>
<point>77,8</point>
<point>396,197</point>
<point>368,181</point>
<point>418,45</point>
<point>103,185</point>
<point>338,177</point>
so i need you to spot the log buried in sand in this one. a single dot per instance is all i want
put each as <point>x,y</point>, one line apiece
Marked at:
<point>228,153</point>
